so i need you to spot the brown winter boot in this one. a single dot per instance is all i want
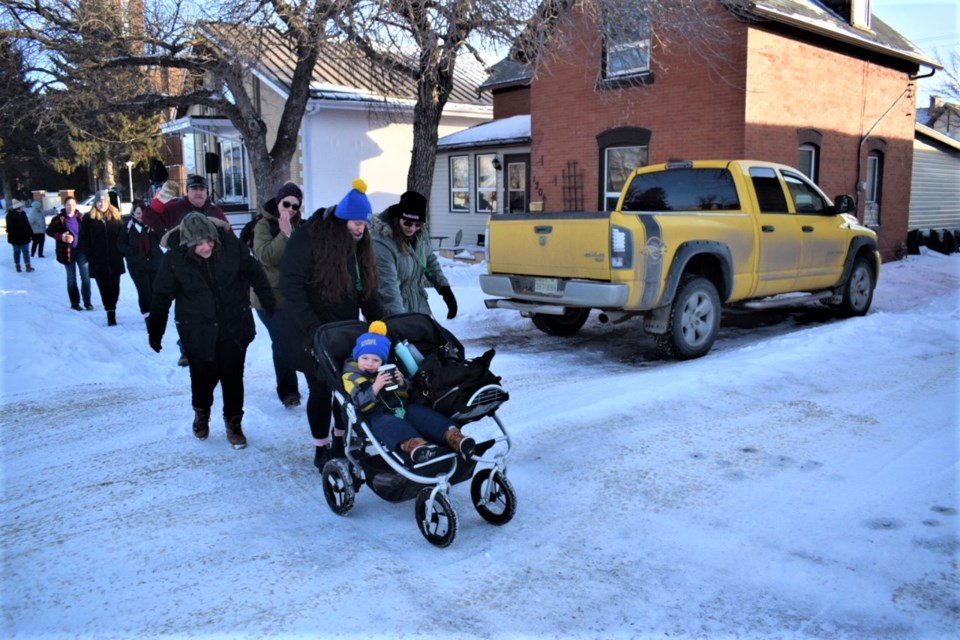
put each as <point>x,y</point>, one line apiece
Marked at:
<point>29,269</point>
<point>201,423</point>
<point>235,432</point>
<point>460,443</point>
<point>419,450</point>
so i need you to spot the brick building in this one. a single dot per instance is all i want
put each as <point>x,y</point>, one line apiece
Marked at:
<point>823,86</point>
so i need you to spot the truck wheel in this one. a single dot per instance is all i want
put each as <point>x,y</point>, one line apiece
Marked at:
<point>694,320</point>
<point>858,293</point>
<point>566,325</point>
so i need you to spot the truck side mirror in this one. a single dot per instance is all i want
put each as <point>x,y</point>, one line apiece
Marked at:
<point>844,204</point>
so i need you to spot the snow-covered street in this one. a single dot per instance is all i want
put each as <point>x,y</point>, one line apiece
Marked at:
<point>800,481</point>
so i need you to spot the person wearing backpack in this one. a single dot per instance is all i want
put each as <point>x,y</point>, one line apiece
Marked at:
<point>280,216</point>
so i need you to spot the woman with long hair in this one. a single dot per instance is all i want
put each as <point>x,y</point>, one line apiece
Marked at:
<point>328,273</point>
<point>99,230</point>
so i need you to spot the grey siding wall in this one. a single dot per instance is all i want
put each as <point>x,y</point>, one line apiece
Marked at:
<point>935,193</point>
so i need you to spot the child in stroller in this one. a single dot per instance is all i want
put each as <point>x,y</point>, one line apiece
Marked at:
<point>381,394</point>
<point>446,381</point>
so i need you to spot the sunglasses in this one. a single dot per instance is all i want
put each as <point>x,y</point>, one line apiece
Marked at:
<point>290,205</point>
<point>410,223</point>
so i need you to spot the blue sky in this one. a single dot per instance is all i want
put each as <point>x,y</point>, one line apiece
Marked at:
<point>932,26</point>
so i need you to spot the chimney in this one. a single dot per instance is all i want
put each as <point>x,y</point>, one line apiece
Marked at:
<point>935,102</point>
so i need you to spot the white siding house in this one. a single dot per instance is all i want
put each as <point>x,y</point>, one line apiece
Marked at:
<point>935,193</point>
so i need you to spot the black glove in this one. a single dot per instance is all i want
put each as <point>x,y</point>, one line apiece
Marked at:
<point>270,312</point>
<point>447,294</point>
<point>155,327</point>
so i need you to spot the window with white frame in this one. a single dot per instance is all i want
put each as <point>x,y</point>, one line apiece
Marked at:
<point>459,184</point>
<point>618,164</point>
<point>871,213</point>
<point>486,183</point>
<point>232,172</point>
<point>628,53</point>
<point>809,160</point>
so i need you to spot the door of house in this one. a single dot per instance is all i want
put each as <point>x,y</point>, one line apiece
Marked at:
<point>516,183</point>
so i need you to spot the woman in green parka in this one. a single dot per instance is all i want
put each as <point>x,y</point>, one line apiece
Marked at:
<point>405,259</point>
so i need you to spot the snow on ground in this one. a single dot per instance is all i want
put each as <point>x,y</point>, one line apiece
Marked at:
<point>800,481</point>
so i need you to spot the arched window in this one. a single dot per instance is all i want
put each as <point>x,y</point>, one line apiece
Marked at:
<point>621,151</point>
<point>874,189</point>
<point>808,160</point>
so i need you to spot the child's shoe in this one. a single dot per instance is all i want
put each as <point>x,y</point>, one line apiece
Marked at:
<point>419,450</point>
<point>464,445</point>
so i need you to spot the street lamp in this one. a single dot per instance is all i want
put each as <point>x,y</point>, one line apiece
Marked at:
<point>130,175</point>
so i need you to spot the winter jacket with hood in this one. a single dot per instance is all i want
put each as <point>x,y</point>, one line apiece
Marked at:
<point>403,272</point>
<point>269,245</point>
<point>18,228</point>
<point>211,296</point>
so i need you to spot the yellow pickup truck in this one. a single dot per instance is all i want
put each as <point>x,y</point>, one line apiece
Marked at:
<point>686,239</point>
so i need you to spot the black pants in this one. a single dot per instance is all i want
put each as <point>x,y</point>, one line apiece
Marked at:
<point>39,239</point>
<point>226,369</point>
<point>143,281</point>
<point>109,287</point>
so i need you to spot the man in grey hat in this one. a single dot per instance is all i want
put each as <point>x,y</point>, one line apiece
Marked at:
<point>167,210</point>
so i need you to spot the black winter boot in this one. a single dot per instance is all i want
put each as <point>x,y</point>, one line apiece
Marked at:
<point>111,318</point>
<point>235,432</point>
<point>201,423</point>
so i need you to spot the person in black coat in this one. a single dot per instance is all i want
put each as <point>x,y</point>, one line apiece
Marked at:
<point>206,271</point>
<point>99,230</point>
<point>328,273</point>
<point>141,247</point>
<point>19,234</point>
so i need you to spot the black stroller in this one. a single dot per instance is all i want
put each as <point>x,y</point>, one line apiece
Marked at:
<point>391,474</point>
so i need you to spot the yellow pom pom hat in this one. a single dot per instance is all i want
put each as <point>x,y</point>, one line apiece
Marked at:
<point>355,205</point>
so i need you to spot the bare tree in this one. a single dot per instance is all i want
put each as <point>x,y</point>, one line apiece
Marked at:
<point>949,86</point>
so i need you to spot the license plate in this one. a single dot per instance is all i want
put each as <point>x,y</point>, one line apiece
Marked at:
<point>545,285</point>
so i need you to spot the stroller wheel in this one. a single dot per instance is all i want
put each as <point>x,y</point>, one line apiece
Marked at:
<point>493,497</point>
<point>338,487</point>
<point>436,518</point>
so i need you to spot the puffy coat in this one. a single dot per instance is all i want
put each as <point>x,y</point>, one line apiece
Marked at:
<point>211,295</point>
<point>404,273</point>
<point>98,237</point>
<point>18,227</point>
<point>304,311</point>
<point>37,220</point>
<point>140,246</point>
<point>269,245</point>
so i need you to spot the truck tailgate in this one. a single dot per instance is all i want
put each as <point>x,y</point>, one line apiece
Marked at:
<point>560,245</point>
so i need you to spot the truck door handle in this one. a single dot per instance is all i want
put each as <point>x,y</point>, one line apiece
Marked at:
<point>807,229</point>
<point>768,228</point>
<point>543,228</point>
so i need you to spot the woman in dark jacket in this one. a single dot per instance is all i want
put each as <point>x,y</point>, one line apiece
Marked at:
<point>207,271</point>
<point>99,230</point>
<point>141,247</point>
<point>328,273</point>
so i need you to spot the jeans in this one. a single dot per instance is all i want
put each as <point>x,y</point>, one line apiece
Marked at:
<point>24,250</point>
<point>287,383</point>
<point>420,421</point>
<point>78,263</point>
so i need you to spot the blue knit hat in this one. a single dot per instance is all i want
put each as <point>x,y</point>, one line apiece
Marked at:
<point>355,205</point>
<point>375,342</point>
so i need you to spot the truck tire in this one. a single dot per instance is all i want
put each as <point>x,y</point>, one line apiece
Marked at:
<point>694,320</point>
<point>858,292</point>
<point>566,325</point>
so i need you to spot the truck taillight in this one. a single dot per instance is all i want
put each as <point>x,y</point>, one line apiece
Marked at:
<point>621,248</point>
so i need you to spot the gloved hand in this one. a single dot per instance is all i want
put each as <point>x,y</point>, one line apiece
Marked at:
<point>270,312</point>
<point>155,327</point>
<point>169,191</point>
<point>448,298</point>
<point>155,341</point>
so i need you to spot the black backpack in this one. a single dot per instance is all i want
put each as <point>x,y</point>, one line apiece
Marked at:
<point>445,381</point>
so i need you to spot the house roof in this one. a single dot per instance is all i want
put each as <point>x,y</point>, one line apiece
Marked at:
<point>924,131</point>
<point>512,130</point>
<point>342,72</point>
<point>807,15</point>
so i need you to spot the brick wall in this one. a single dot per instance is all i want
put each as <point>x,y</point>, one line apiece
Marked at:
<point>750,106</point>
<point>511,102</point>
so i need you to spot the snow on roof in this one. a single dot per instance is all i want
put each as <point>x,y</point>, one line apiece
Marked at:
<point>503,131</point>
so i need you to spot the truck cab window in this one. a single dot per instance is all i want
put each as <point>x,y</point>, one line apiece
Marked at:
<point>683,190</point>
<point>806,198</point>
